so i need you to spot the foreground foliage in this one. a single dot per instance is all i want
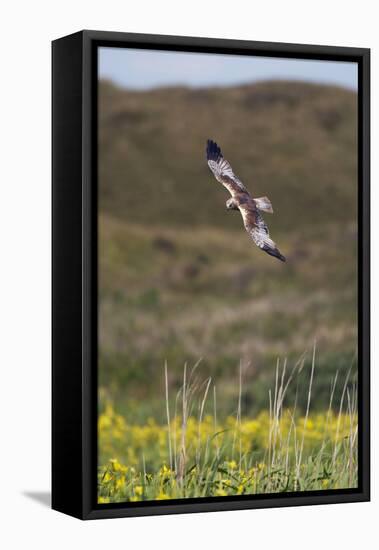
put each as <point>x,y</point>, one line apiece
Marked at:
<point>249,457</point>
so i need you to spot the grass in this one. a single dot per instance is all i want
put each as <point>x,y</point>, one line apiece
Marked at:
<point>179,294</point>
<point>197,454</point>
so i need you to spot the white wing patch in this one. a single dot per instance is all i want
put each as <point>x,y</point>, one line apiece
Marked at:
<point>261,238</point>
<point>259,231</point>
<point>222,170</point>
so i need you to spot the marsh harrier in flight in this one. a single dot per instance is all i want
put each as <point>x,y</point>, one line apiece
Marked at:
<point>241,200</point>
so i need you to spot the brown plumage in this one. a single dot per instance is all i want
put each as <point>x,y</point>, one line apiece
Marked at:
<point>241,200</point>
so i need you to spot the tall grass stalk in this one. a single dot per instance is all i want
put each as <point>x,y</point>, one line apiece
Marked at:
<point>168,417</point>
<point>298,465</point>
<point>182,454</point>
<point>336,445</point>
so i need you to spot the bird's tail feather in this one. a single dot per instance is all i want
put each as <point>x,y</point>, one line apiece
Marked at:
<point>264,204</point>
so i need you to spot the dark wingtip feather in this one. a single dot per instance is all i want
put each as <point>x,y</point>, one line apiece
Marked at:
<point>275,252</point>
<point>213,150</point>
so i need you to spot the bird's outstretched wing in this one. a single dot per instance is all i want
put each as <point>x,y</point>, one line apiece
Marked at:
<point>222,170</point>
<point>258,230</point>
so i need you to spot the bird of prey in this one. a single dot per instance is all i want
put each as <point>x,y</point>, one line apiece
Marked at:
<point>241,200</point>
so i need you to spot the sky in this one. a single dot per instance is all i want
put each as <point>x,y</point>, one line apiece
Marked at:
<point>146,69</point>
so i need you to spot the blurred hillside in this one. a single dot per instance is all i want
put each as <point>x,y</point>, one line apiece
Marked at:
<point>294,141</point>
<point>179,278</point>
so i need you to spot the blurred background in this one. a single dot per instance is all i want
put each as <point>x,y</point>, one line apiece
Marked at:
<point>179,279</point>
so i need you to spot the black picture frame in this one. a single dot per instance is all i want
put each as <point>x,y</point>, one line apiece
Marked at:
<point>74,273</point>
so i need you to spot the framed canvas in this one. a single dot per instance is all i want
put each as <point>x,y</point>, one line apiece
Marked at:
<point>210,275</point>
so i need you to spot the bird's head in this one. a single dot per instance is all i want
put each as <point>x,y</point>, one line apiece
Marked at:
<point>231,204</point>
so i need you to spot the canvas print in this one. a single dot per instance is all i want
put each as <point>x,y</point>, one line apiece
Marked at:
<point>227,275</point>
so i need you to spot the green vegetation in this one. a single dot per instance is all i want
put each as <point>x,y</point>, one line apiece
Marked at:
<point>196,455</point>
<point>178,295</point>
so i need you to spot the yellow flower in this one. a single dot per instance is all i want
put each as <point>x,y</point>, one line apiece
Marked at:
<point>117,467</point>
<point>162,496</point>
<point>309,424</point>
<point>138,490</point>
<point>232,464</point>
<point>102,500</point>
<point>134,499</point>
<point>120,482</point>
<point>220,493</point>
<point>107,477</point>
<point>104,422</point>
